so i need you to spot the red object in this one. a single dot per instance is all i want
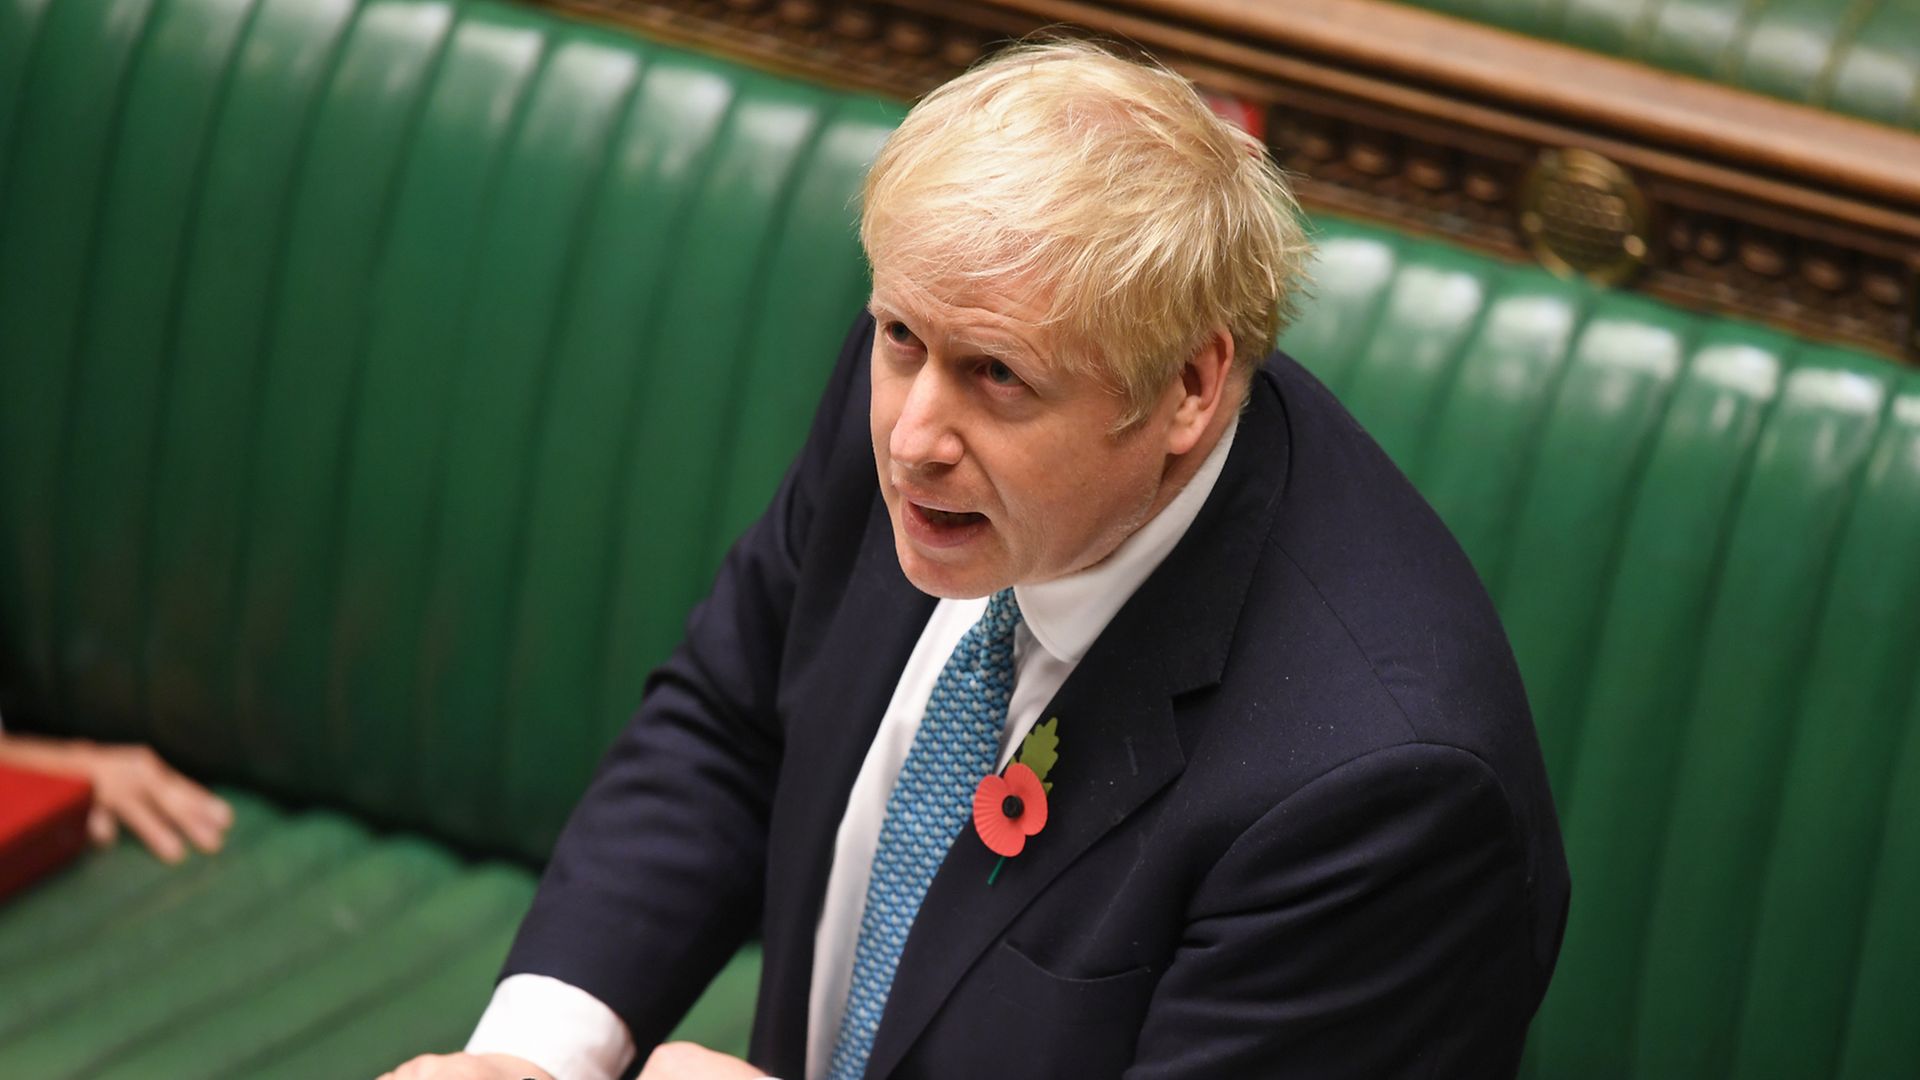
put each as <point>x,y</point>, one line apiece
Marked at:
<point>1008,809</point>
<point>43,824</point>
<point>1239,112</point>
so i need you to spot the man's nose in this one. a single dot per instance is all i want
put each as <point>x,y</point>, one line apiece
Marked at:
<point>924,434</point>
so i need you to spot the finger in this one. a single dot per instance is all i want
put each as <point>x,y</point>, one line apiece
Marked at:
<point>101,826</point>
<point>415,1068</point>
<point>152,830</point>
<point>189,788</point>
<point>668,1060</point>
<point>192,809</point>
<point>181,805</point>
<point>210,810</point>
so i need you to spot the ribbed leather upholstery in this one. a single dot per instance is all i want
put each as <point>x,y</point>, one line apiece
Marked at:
<point>1859,57</point>
<point>75,956</point>
<point>374,404</point>
<point>309,948</point>
<point>381,379</point>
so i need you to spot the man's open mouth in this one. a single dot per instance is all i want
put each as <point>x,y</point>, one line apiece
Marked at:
<point>949,518</point>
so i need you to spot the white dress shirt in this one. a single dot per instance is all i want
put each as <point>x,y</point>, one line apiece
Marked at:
<point>574,1036</point>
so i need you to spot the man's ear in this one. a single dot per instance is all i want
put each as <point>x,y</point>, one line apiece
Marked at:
<point>1205,387</point>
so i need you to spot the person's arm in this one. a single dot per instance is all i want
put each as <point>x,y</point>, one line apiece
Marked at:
<point>568,1031</point>
<point>1377,923</point>
<point>535,1027</point>
<point>658,876</point>
<point>131,785</point>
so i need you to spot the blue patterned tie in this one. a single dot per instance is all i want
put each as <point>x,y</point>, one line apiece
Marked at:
<point>958,742</point>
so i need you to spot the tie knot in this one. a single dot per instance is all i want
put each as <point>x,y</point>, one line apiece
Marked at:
<point>1003,612</point>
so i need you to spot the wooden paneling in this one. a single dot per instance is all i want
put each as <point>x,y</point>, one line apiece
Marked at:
<point>1727,201</point>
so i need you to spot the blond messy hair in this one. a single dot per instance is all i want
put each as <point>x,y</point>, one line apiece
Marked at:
<point>1107,189</point>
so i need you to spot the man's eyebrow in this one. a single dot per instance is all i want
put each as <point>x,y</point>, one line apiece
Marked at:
<point>999,346</point>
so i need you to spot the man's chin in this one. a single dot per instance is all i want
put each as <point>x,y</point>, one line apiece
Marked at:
<point>963,580</point>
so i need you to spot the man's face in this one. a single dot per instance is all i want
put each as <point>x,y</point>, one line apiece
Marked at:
<point>998,465</point>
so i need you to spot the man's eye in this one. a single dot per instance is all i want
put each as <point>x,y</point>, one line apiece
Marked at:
<point>898,333</point>
<point>1002,375</point>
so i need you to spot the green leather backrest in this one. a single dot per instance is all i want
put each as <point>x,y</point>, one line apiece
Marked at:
<point>380,381</point>
<point>1859,57</point>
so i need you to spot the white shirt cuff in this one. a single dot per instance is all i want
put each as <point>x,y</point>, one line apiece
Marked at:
<point>557,1026</point>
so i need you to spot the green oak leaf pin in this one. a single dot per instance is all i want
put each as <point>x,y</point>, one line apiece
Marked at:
<point>1040,749</point>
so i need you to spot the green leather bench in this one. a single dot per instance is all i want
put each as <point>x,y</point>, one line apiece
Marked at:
<point>1857,57</point>
<point>380,381</point>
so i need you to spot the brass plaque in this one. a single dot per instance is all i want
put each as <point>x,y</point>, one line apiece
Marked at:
<point>1584,215</point>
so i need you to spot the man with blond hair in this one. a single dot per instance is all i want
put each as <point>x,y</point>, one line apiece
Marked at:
<point>1107,705</point>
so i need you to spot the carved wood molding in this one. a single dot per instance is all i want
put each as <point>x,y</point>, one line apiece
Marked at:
<point>1739,203</point>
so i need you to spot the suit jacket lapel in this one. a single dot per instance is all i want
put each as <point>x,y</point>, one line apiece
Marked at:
<point>1119,740</point>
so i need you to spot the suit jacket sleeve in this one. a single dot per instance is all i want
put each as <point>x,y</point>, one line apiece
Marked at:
<point>659,874</point>
<point>1361,928</point>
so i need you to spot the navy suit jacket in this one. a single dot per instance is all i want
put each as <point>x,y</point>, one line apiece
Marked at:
<point>1299,825</point>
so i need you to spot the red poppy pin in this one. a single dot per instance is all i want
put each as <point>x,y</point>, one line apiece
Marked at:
<point>1012,806</point>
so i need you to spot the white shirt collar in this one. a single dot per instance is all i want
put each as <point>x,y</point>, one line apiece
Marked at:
<point>1066,614</point>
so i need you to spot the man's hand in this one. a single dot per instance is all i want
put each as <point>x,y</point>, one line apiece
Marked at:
<point>468,1067</point>
<point>691,1061</point>
<point>132,785</point>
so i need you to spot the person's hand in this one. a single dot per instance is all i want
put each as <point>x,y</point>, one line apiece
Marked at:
<point>468,1067</point>
<point>131,785</point>
<point>691,1061</point>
